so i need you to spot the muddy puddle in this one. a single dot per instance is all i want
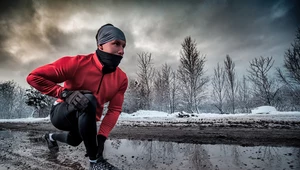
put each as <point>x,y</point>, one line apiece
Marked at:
<point>27,150</point>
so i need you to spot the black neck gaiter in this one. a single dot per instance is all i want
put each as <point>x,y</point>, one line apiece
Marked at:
<point>109,61</point>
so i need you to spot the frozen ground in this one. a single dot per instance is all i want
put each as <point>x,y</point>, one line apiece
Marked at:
<point>261,117</point>
<point>264,126</point>
<point>249,137</point>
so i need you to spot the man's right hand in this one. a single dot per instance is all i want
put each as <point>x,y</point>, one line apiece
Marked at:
<point>76,99</point>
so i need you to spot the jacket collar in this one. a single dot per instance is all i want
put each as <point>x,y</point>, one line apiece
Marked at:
<point>97,62</point>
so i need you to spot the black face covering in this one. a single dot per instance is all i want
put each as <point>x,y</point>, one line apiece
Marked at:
<point>109,61</point>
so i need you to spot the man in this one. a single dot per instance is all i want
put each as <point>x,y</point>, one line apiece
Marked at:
<point>89,82</point>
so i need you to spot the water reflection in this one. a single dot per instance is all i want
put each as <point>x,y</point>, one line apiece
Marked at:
<point>4,134</point>
<point>27,150</point>
<point>148,155</point>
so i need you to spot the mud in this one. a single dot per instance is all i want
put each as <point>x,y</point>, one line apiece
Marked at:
<point>21,145</point>
<point>289,136</point>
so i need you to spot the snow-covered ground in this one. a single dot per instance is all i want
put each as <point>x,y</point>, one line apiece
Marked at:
<point>265,114</point>
<point>148,118</point>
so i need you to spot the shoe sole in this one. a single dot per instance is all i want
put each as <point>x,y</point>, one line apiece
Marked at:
<point>53,149</point>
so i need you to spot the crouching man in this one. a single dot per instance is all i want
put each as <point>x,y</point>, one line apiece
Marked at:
<point>89,82</point>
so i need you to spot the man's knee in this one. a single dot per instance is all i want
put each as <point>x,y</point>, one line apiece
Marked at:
<point>61,118</point>
<point>92,99</point>
<point>90,111</point>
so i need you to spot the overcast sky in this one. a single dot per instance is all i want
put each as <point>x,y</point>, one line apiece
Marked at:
<point>34,33</point>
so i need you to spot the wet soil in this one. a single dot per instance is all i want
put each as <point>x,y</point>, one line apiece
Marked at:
<point>244,136</point>
<point>21,145</point>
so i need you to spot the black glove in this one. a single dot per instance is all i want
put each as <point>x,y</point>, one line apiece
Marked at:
<point>76,99</point>
<point>101,140</point>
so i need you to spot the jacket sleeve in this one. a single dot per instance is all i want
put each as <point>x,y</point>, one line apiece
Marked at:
<point>46,78</point>
<point>114,110</point>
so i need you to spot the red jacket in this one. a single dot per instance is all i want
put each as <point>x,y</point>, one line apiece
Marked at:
<point>84,72</point>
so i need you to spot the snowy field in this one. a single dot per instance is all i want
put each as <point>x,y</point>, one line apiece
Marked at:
<point>261,115</point>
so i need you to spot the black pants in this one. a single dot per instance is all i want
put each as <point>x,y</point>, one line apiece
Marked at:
<point>79,126</point>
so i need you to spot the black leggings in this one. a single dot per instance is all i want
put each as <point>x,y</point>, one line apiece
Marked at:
<point>79,126</point>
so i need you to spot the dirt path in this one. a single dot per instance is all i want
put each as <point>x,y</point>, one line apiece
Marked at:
<point>27,150</point>
<point>189,134</point>
<point>22,147</point>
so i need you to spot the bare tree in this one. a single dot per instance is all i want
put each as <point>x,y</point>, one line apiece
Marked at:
<point>7,98</point>
<point>244,96</point>
<point>174,90</point>
<point>231,81</point>
<point>159,92</point>
<point>290,75</point>
<point>20,108</point>
<point>292,60</point>
<point>191,74</point>
<point>162,88</point>
<point>12,104</point>
<point>145,75</point>
<point>40,102</point>
<point>132,98</point>
<point>166,75</point>
<point>285,101</point>
<point>218,84</point>
<point>264,87</point>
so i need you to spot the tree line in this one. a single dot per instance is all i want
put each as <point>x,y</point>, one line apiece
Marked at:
<point>17,102</point>
<point>187,88</point>
<point>190,89</point>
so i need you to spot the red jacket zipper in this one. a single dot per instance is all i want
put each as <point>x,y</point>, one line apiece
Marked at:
<point>100,84</point>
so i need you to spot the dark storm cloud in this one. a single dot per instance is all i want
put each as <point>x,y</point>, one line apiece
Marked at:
<point>17,7</point>
<point>245,22</point>
<point>20,22</point>
<point>10,14</point>
<point>250,23</point>
<point>4,55</point>
<point>58,39</point>
<point>34,33</point>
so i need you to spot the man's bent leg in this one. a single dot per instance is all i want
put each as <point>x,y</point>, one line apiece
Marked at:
<point>62,118</point>
<point>66,120</point>
<point>87,127</point>
<point>72,138</point>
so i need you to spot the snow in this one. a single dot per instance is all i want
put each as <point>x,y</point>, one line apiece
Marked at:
<point>264,110</point>
<point>258,116</point>
<point>26,120</point>
<point>155,118</point>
